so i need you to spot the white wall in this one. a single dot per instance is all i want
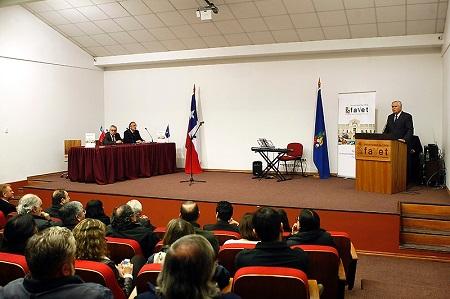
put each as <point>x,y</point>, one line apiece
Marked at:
<point>49,91</point>
<point>241,101</point>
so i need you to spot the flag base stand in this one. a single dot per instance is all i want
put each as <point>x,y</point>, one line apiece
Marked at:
<point>192,181</point>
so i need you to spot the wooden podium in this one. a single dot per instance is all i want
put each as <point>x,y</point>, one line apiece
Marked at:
<point>380,164</point>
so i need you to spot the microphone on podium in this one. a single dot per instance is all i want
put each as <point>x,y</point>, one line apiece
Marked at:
<point>149,134</point>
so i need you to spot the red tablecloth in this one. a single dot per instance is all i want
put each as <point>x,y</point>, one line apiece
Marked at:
<point>108,164</point>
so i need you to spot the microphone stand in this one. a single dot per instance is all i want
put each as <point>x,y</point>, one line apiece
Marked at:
<point>191,144</point>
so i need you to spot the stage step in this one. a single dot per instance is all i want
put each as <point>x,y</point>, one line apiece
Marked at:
<point>425,226</point>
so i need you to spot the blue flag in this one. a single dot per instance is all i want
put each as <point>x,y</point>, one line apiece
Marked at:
<point>320,152</point>
<point>167,134</point>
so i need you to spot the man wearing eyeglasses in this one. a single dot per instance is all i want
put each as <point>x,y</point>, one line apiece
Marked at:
<point>112,137</point>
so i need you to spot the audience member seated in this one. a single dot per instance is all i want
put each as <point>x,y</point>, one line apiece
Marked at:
<point>17,232</point>
<point>284,220</point>
<point>187,272</point>
<point>307,231</point>
<point>7,194</point>
<point>50,256</point>
<point>246,231</point>
<point>94,210</point>
<point>224,213</point>
<point>190,212</point>
<point>124,225</point>
<point>137,209</point>
<point>272,250</point>
<point>91,245</point>
<point>59,198</point>
<point>71,214</point>
<point>32,204</point>
<point>176,228</point>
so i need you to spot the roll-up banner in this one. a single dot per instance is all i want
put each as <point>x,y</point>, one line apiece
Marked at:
<point>356,115</point>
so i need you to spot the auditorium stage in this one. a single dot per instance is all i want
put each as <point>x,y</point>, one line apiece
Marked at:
<point>335,194</point>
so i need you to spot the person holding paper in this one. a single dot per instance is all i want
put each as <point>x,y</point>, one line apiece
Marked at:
<point>131,135</point>
<point>112,137</point>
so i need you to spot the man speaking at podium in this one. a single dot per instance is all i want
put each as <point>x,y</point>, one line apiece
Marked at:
<point>399,125</point>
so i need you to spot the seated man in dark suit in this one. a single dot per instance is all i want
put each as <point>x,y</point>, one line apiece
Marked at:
<point>272,250</point>
<point>6,194</point>
<point>125,225</point>
<point>50,255</point>
<point>71,214</point>
<point>112,137</point>
<point>59,198</point>
<point>190,212</point>
<point>131,135</point>
<point>224,211</point>
<point>307,231</point>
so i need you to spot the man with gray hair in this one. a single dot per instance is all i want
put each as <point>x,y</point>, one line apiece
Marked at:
<point>32,204</point>
<point>71,214</point>
<point>142,219</point>
<point>50,255</point>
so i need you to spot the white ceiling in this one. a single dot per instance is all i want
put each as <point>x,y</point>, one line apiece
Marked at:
<point>115,27</point>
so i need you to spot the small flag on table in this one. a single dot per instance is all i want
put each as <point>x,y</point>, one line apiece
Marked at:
<point>167,134</point>
<point>102,135</point>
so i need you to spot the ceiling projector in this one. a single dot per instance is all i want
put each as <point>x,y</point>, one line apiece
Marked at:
<point>205,12</point>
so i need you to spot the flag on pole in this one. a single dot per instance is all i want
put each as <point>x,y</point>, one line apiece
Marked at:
<point>320,151</point>
<point>167,134</point>
<point>192,160</point>
<point>102,135</point>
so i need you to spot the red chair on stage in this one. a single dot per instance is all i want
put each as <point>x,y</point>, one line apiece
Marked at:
<point>348,255</point>
<point>325,266</point>
<point>100,273</point>
<point>148,273</point>
<point>12,266</point>
<point>224,235</point>
<point>273,282</point>
<point>295,154</point>
<point>228,252</point>
<point>121,248</point>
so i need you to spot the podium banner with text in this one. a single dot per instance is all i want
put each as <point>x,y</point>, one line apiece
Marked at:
<point>356,115</point>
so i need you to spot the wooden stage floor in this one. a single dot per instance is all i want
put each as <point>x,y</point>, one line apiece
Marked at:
<point>335,194</point>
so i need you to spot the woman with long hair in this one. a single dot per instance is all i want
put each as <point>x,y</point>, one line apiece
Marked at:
<point>91,245</point>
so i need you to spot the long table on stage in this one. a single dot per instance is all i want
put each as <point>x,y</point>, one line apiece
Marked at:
<point>108,164</point>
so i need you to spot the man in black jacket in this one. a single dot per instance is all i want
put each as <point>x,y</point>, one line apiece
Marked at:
<point>190,212</point>
<point>112,137</point>
<point>7,194</point>
<point>307,231</point>
<point>59,198</point>
<point>224,213</point>
<point>131,135</point>
<point>399,124</point>
<point>125,225</point>
<point>272,250</point>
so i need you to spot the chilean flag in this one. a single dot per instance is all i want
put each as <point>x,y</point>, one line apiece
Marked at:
<point>191,145</point>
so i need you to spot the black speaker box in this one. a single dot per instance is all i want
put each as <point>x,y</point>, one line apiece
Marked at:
<point>257,168</point>
<point>431,152</point>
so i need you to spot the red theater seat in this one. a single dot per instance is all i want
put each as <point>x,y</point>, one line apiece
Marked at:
<point>100,273</point>
<point>224,235</point>
<point>158,246</point>
<point>348,255</point>
<point>160,231</point>
<point>120,249</point>
<point>273,282</point>
<point>2,220</point>
<point>148,273</point>
<point>324,263</point>
<point>228,252</point>
<point>12,266</point>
